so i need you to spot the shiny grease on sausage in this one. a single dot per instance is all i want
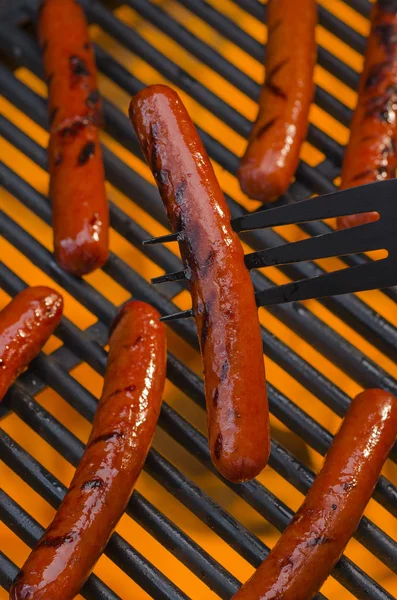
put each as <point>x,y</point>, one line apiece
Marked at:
<point>121,435</point>
<point>371,153</point>
<point>222,293</point>
<point>26,323</point>
<point>77,180</point>
<point>315,539</point>
<point>272,154</point>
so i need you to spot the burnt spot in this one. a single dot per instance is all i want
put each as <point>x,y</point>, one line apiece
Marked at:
<point>319,541</point>
<point>78,66</point>
<point>215,397</point>
<point>265,127</point>
<point>106,437</point>
<point>53,114</point>
<point>209,261</point>
<point>275,90</point>
<point>116,320</point>
<point>93,98</point>
<point>334,507</point>
<point>374,76</point>
<point>44,46</point>
<point>276,69</point>
<point>180,192</point>
<point>349,485</point>
<point>87,46</point>
<point>130,388</point>
<point>93,484</point>
<point>362,174</point>
<point>287,562</point>
<point>387,35</point>
<point>18,576</point>
<point>218,446</point>
<point>382,173</point>
<point>94,220</point>
<point>275,26</point>
<point>86,153</point>
<point>224,370</point>
<point>58,159</point>
<point>161,176</point>
<point>154,156</point>
<point>58,540</point>
<point>388,6</point>
<point>50,78</point>
<point>74,128</point>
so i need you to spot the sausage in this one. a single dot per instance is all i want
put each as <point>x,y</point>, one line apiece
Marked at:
<point>77,180</point>
<point>26,323</point>
<point>310,546</point>
<point>371,153</point>
<point>222,293</point>
<point>272,154</point>
<point>122,431</point>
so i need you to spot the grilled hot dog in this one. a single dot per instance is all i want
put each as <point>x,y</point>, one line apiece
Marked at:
<point>26,323</point>
<point>222,292</point>
<point>272,154</point>
<point>371,154</point>
<point>77,184</point>
<point>119,442</point>
<point>313,542</point>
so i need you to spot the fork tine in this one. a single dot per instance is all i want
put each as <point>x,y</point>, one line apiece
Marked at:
<point>174,276</point>
<point>363,198</point>
<point>352,279</point>
<point>337,243</point>
<point>162,239</point>
<point>185,314</point>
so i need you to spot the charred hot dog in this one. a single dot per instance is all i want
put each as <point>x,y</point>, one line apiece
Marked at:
<point>371,153</point>
<point>272,154</point>
<point>26,323</point>
<point>222,293</point>
<point>123,428</point>
<point>77,184</point>
<point>313,542</point>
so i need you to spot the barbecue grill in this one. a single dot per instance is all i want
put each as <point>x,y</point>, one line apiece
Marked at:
<point>187,533</point>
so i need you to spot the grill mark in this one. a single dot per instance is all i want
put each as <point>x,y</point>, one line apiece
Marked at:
<point>276,69</point>
<point>218,446</point>
<point>209,261</point>
<point>225,370</point>
<point>56,541</point>
<point>204,328</point>
<point>362,174</point>
<point>53,114</point>
<point>215,398</point>
<point>319,541</point>
<point>86,153</point>
<point>92,98</point>
<point>180,192</point>
<point>92,484</point>
<point>58,159</point>
<point>105,437</point>
<point>87,46</point>
<point>275,26</point>
<point>275,90</point>
<point>265,127</point>
<point>74,128</point>
<point>78,66</point>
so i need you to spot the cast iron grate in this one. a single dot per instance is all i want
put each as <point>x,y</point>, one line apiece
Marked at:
<point>18,47</point>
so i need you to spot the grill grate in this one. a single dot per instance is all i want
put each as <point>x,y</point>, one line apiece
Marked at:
<point>19,49</point>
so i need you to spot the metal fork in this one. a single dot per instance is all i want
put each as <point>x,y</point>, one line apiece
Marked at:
<point>380,197</point>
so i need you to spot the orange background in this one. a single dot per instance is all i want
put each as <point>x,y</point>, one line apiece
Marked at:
<point>140,539</point>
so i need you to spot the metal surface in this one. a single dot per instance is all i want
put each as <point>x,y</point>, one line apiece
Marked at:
<point>19,48</point>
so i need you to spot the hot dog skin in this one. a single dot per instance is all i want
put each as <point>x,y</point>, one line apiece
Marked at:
<point>77,181</point>
<point>26,323</point>
<point>313,542</point>
<point>222,293</point>
<point>272,154</point>
<point>123,428</point>
<point>371,154</point>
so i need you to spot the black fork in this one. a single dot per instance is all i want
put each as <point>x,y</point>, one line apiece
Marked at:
<point>380,197</point>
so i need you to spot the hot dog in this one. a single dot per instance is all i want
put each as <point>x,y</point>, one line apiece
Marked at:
<point>371,154</point>
<point>123,428</point>
<point>77,183</point>
<point>272,154</point>
<point>313,542</point>
<point>222,293</point>
<point>26,323</point>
